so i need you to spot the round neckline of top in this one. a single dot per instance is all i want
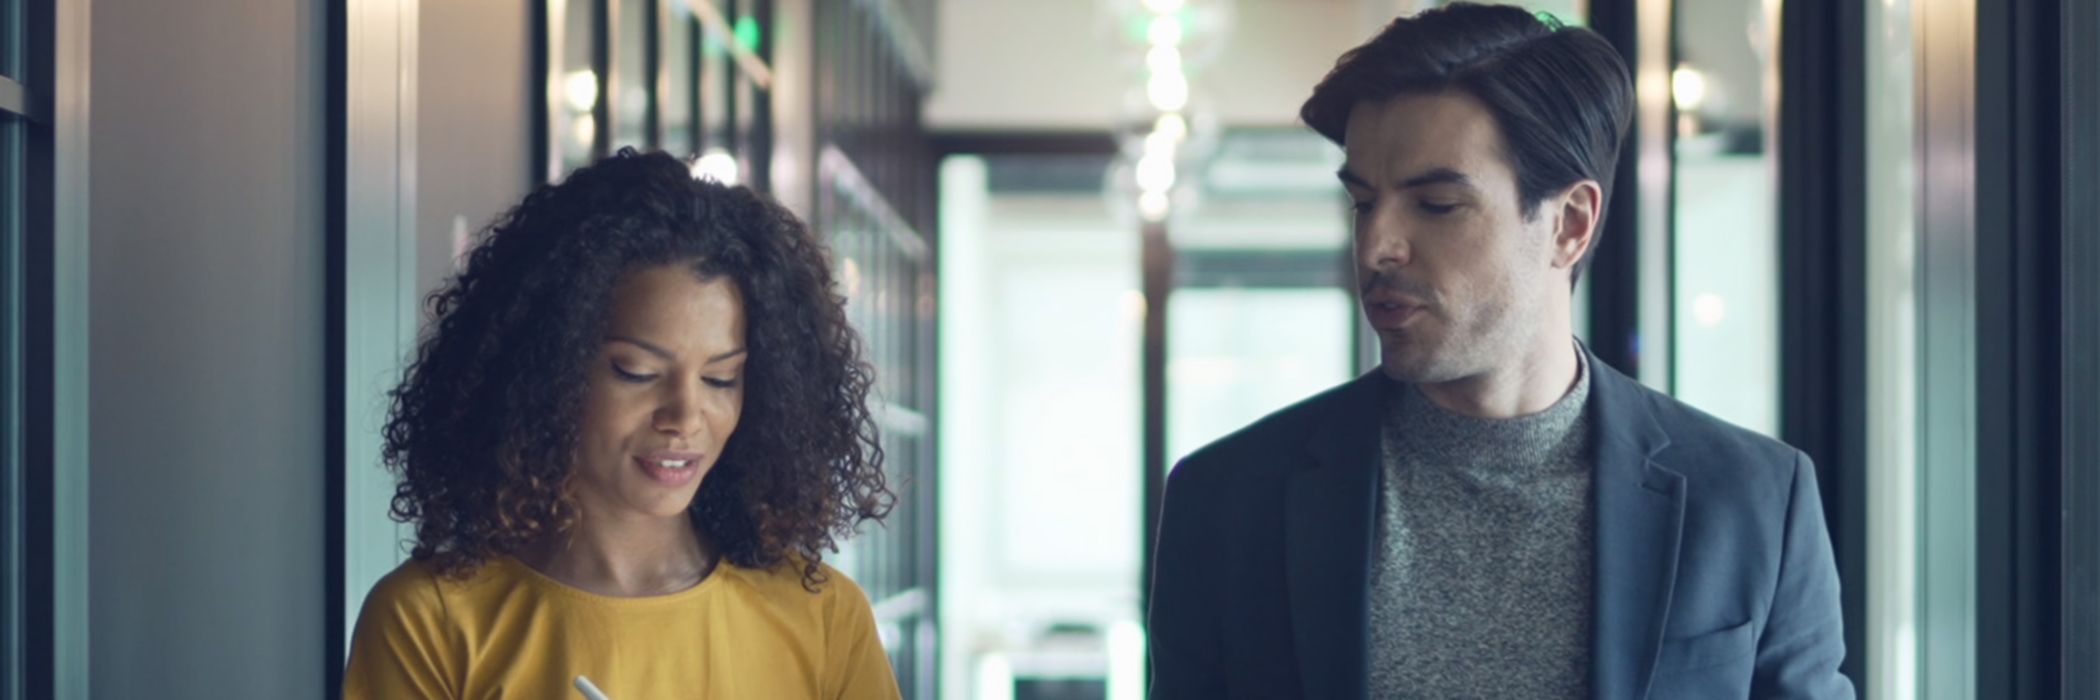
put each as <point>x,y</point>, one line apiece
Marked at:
<point>541,580</point>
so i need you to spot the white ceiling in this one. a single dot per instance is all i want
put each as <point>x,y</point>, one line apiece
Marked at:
<point>1055,65</point>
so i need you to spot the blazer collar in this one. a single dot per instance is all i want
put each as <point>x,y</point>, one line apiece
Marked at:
<point>1329,511</point>
<point>1640,523</point>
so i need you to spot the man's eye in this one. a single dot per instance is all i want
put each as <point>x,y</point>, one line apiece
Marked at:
<point>1433,208</point>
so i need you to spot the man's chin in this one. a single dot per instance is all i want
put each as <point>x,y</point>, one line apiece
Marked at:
<point>1412,366</point>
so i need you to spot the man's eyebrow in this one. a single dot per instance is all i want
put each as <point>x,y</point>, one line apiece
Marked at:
<point>1438,176</point>
<point>1435,176</point>
<point>645,345</point>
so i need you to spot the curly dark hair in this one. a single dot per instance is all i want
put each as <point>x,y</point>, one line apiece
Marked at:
<point>484,422</point>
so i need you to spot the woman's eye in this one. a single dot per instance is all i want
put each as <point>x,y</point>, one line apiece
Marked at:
<point>722,382</point>
<point>636,377</point>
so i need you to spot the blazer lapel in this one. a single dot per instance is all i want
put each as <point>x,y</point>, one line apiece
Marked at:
<point>1328,512</point>
<point>1640,520</point>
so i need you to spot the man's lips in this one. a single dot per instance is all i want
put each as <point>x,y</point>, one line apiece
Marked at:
<point>1391,311</point>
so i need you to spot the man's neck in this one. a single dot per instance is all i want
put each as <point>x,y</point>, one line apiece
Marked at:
<point>1533,383</point>
<point>626,557</point>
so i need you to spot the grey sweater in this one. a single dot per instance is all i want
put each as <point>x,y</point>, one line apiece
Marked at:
<point>1482,577</point>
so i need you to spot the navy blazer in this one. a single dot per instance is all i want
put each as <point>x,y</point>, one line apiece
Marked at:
<point>1714,575</point>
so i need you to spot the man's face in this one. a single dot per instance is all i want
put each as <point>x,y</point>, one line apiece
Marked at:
<point>1452,273</point>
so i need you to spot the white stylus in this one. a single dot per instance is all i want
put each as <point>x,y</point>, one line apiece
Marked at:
<point>589,691</point>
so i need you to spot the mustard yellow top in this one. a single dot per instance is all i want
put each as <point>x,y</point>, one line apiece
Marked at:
<point>509,631</point>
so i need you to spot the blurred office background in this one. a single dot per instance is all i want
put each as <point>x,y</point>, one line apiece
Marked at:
<point>1082,238</point>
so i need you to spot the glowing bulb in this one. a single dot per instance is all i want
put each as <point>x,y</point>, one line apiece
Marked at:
<point>1163,59</point>
<point>1153,206</point>
<point>747,32</point>
<point>716,165</point>
<point>1155,172</point>
<point>1173,125</point>
<point>584,131</point>
<point>1169,91</point>
<point>1165,30</point>
<point>1687,87</point>
<point>1159,143</point>
<point>580,88</point>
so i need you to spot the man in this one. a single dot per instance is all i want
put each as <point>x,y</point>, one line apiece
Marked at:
<point>1493,513</point>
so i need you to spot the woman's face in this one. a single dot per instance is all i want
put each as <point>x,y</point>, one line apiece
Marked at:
<point>664,395</point>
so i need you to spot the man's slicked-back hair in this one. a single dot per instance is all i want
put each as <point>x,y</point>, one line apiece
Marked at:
<point>1561,96</point>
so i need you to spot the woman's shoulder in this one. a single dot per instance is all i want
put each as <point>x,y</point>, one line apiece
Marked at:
<point>404,610</point>
<point>783,583</point>
<point>837,618</point>
<point>412,585</point>
<point>418,587</point>
<point>832,607</point>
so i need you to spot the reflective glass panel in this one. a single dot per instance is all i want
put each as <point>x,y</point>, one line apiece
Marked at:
<point>1042,321</point>
<point>634,89</point>
<point>717,80</point>
<point>1892,598</point>
<point>1724,246</point>
<point>679,60</point>
<point>575,119</point>
<point>1262,314</point>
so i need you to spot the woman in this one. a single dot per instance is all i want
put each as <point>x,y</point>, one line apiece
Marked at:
<point>637,425</point>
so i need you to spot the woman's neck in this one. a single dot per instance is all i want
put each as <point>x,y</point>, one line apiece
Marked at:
<point>626,557</point>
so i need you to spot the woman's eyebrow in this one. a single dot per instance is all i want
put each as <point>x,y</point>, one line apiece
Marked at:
<point>666,354</point>
<point>645,345</point>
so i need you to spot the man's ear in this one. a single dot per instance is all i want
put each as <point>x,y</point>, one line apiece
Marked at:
<point>1575,211</point>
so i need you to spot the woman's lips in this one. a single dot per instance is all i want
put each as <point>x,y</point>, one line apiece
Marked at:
<point>670,468</point>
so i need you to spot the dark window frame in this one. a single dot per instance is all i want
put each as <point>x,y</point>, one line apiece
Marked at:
<point>2018,406</point>
<point>1617,333</point>
<point>51,337</point>
<point>1822,234</point>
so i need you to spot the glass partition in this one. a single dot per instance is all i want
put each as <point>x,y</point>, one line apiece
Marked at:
<point>1725,274</point>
